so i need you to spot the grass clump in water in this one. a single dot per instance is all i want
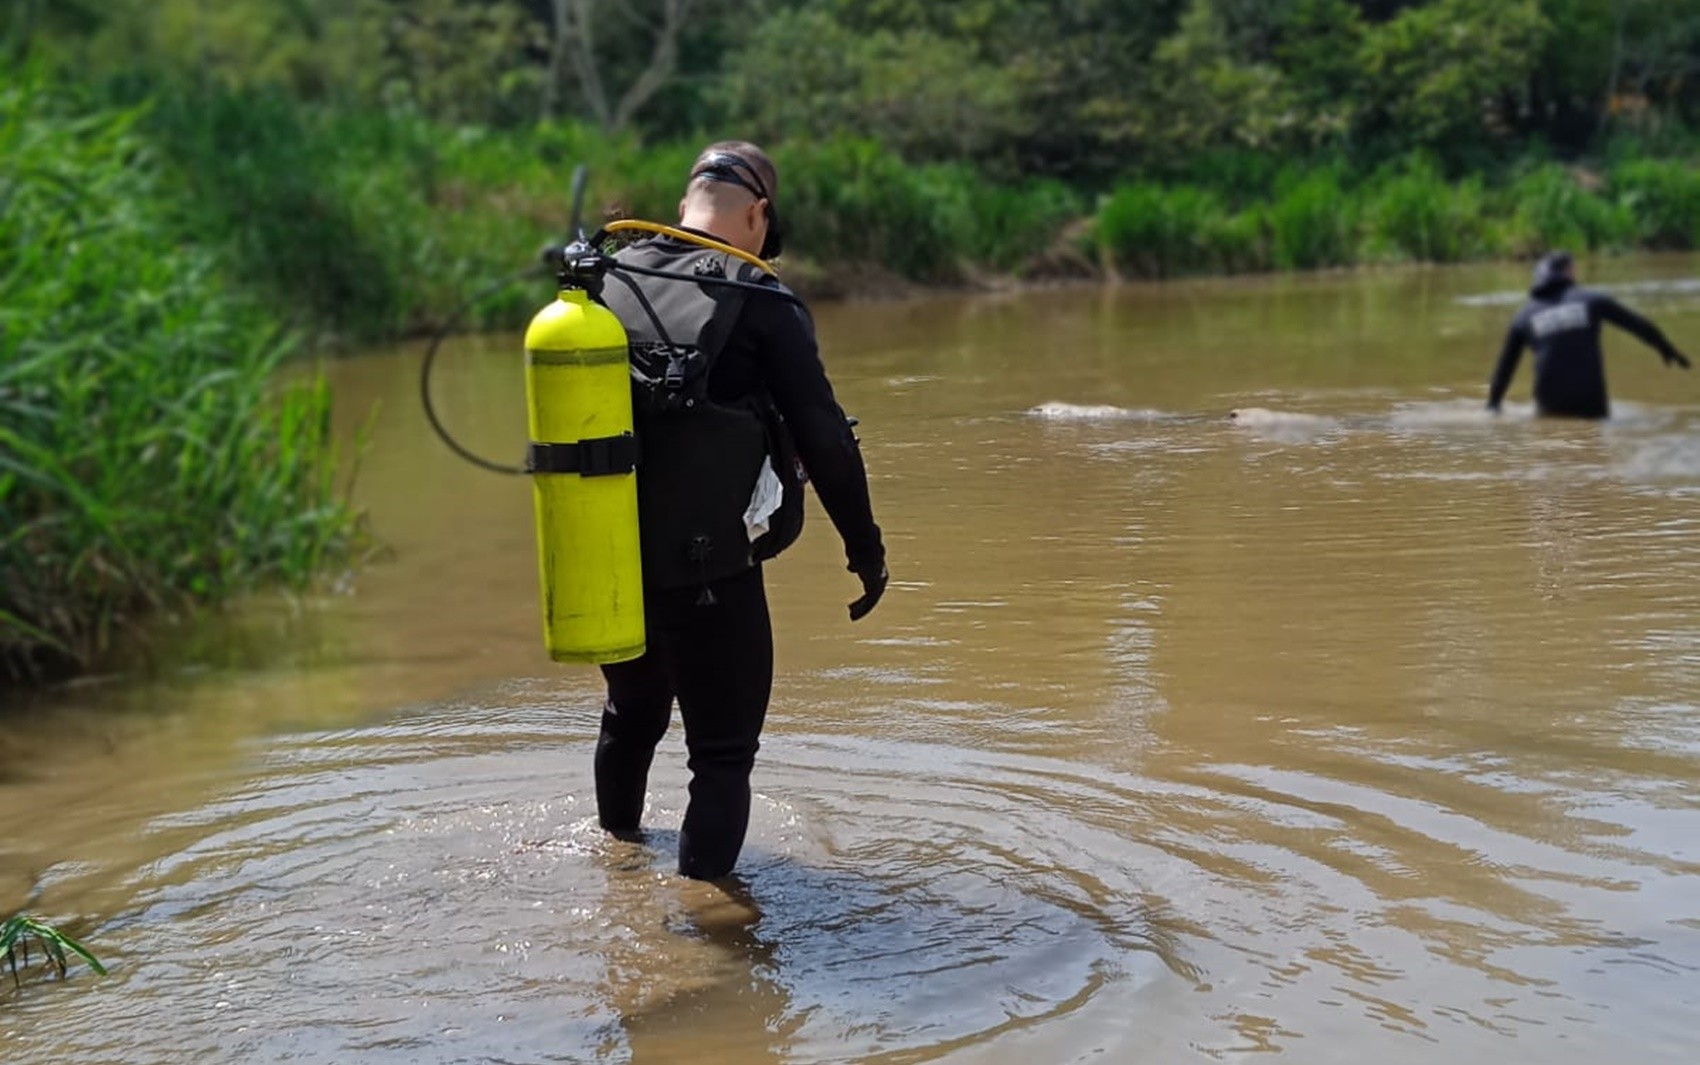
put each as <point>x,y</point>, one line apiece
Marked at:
<point>148,460</point>
<point>19,931</point>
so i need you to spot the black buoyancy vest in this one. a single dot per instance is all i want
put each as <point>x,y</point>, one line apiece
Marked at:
<point>701,458</point>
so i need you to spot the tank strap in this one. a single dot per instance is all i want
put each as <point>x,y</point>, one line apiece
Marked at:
<point>597,457</point>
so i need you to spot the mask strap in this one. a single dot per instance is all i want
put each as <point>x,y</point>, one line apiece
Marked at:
<point>725,168</point>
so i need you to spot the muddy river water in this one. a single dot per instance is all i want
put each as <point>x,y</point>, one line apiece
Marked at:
<point>1356,726</point>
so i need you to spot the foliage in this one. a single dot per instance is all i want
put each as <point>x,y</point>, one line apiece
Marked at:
<point>251,165</point>
<point>926,95</point>
<point>1083,90</point>
<point>1153,230</point>
<point>1321,216</point>
<point>1209,94</point>
<point>209,180</point>
<point>1663,199</point>
<point>1319,48</point>
<point>853,201</point>
<point>1554,211</point>
<point>372,224</point>
<point>1415,214</point>
<point>147,458</point>
<point>1440,71</point>
<point>1313,222</point>
<point>19,931</point>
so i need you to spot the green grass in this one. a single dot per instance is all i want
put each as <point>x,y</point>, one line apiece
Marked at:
<point>19,932</point>
<point>148,458</point>
<point>1313,222</point>
<point>1406,212</point>
<point>1552,209</point>
<point>1157,231</point>
<point>1662,198</point>
<point>1415,214</point>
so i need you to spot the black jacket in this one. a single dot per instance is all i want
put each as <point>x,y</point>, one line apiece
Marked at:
<point>773,348</point>
<point>1562,324</point>
<point>759,351</point>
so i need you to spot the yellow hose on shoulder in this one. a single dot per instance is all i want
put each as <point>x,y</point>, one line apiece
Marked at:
<point>628,224</point>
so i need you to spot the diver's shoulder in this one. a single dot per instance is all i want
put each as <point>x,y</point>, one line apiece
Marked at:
<point>756,275</point>
<point>785,294</point>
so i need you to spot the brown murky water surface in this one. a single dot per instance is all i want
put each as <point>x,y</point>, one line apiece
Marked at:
<point>1356,727</point>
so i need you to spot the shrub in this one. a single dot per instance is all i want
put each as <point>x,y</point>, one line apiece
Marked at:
<point>1313,222</point>
<point>1663,199</point>
<point>1154,231</point>
<point>1553,211</point>
<point>1415,214</point>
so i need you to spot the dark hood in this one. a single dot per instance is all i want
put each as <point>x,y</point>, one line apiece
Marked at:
<point>1550,278</point>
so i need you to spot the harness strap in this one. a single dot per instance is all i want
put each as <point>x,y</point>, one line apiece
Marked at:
<point>597,457</point>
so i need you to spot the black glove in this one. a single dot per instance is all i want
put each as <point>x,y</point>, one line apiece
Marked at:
<point>874,579</point>
<point>1676,358</point>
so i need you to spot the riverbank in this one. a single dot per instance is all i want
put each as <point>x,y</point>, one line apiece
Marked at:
<point>365,226</point>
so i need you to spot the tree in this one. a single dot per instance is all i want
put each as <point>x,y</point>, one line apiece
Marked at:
<point>1445,73</point>
<point>613,90</point>
<point>1318,50</point>
<point>1210,92</point>
<point>926,95</point>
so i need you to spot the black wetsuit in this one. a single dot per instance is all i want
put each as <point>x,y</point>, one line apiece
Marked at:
<point>713,652</point>
<point>1561,322</point>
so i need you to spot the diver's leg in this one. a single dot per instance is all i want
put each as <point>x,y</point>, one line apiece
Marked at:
<point>640,700</point>
<point>723,674</point>
<point>1571,393</point>
<point>1591,408</point>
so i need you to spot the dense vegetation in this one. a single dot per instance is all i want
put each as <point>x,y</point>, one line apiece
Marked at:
<point>365,162</point>
<point>190,188</point>
<point>1081,89</point>
<point>146,455</point>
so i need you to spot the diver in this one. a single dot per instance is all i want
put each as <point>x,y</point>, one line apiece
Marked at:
<point>1561,322</point>
<point>731,405</point>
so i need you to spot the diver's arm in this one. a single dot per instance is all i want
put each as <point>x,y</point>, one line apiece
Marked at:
<point>1642,329</point>
<point>792,371</point>
<point>1509,356</point>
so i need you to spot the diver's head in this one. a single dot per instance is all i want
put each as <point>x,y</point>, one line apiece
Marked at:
<point>731,193</point>
<point>1555,270</point>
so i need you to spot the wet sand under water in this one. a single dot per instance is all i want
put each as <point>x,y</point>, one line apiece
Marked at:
<point>1355,725</point>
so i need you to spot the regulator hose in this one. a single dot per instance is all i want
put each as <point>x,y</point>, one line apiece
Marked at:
<point>430,361</point>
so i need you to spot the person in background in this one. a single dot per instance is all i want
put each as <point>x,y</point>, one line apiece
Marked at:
<point>1561,322</point>
<point>729,395</point>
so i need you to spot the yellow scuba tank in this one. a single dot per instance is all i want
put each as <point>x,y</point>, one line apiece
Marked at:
<point>583,460</point>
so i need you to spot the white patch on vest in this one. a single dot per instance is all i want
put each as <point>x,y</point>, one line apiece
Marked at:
<point>764,502</point>
<point>1560,319</point>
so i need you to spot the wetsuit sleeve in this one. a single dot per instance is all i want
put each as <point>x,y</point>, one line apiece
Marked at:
<point>1516,339</point>
<point>1649,334</point>
<point>791,369</point>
